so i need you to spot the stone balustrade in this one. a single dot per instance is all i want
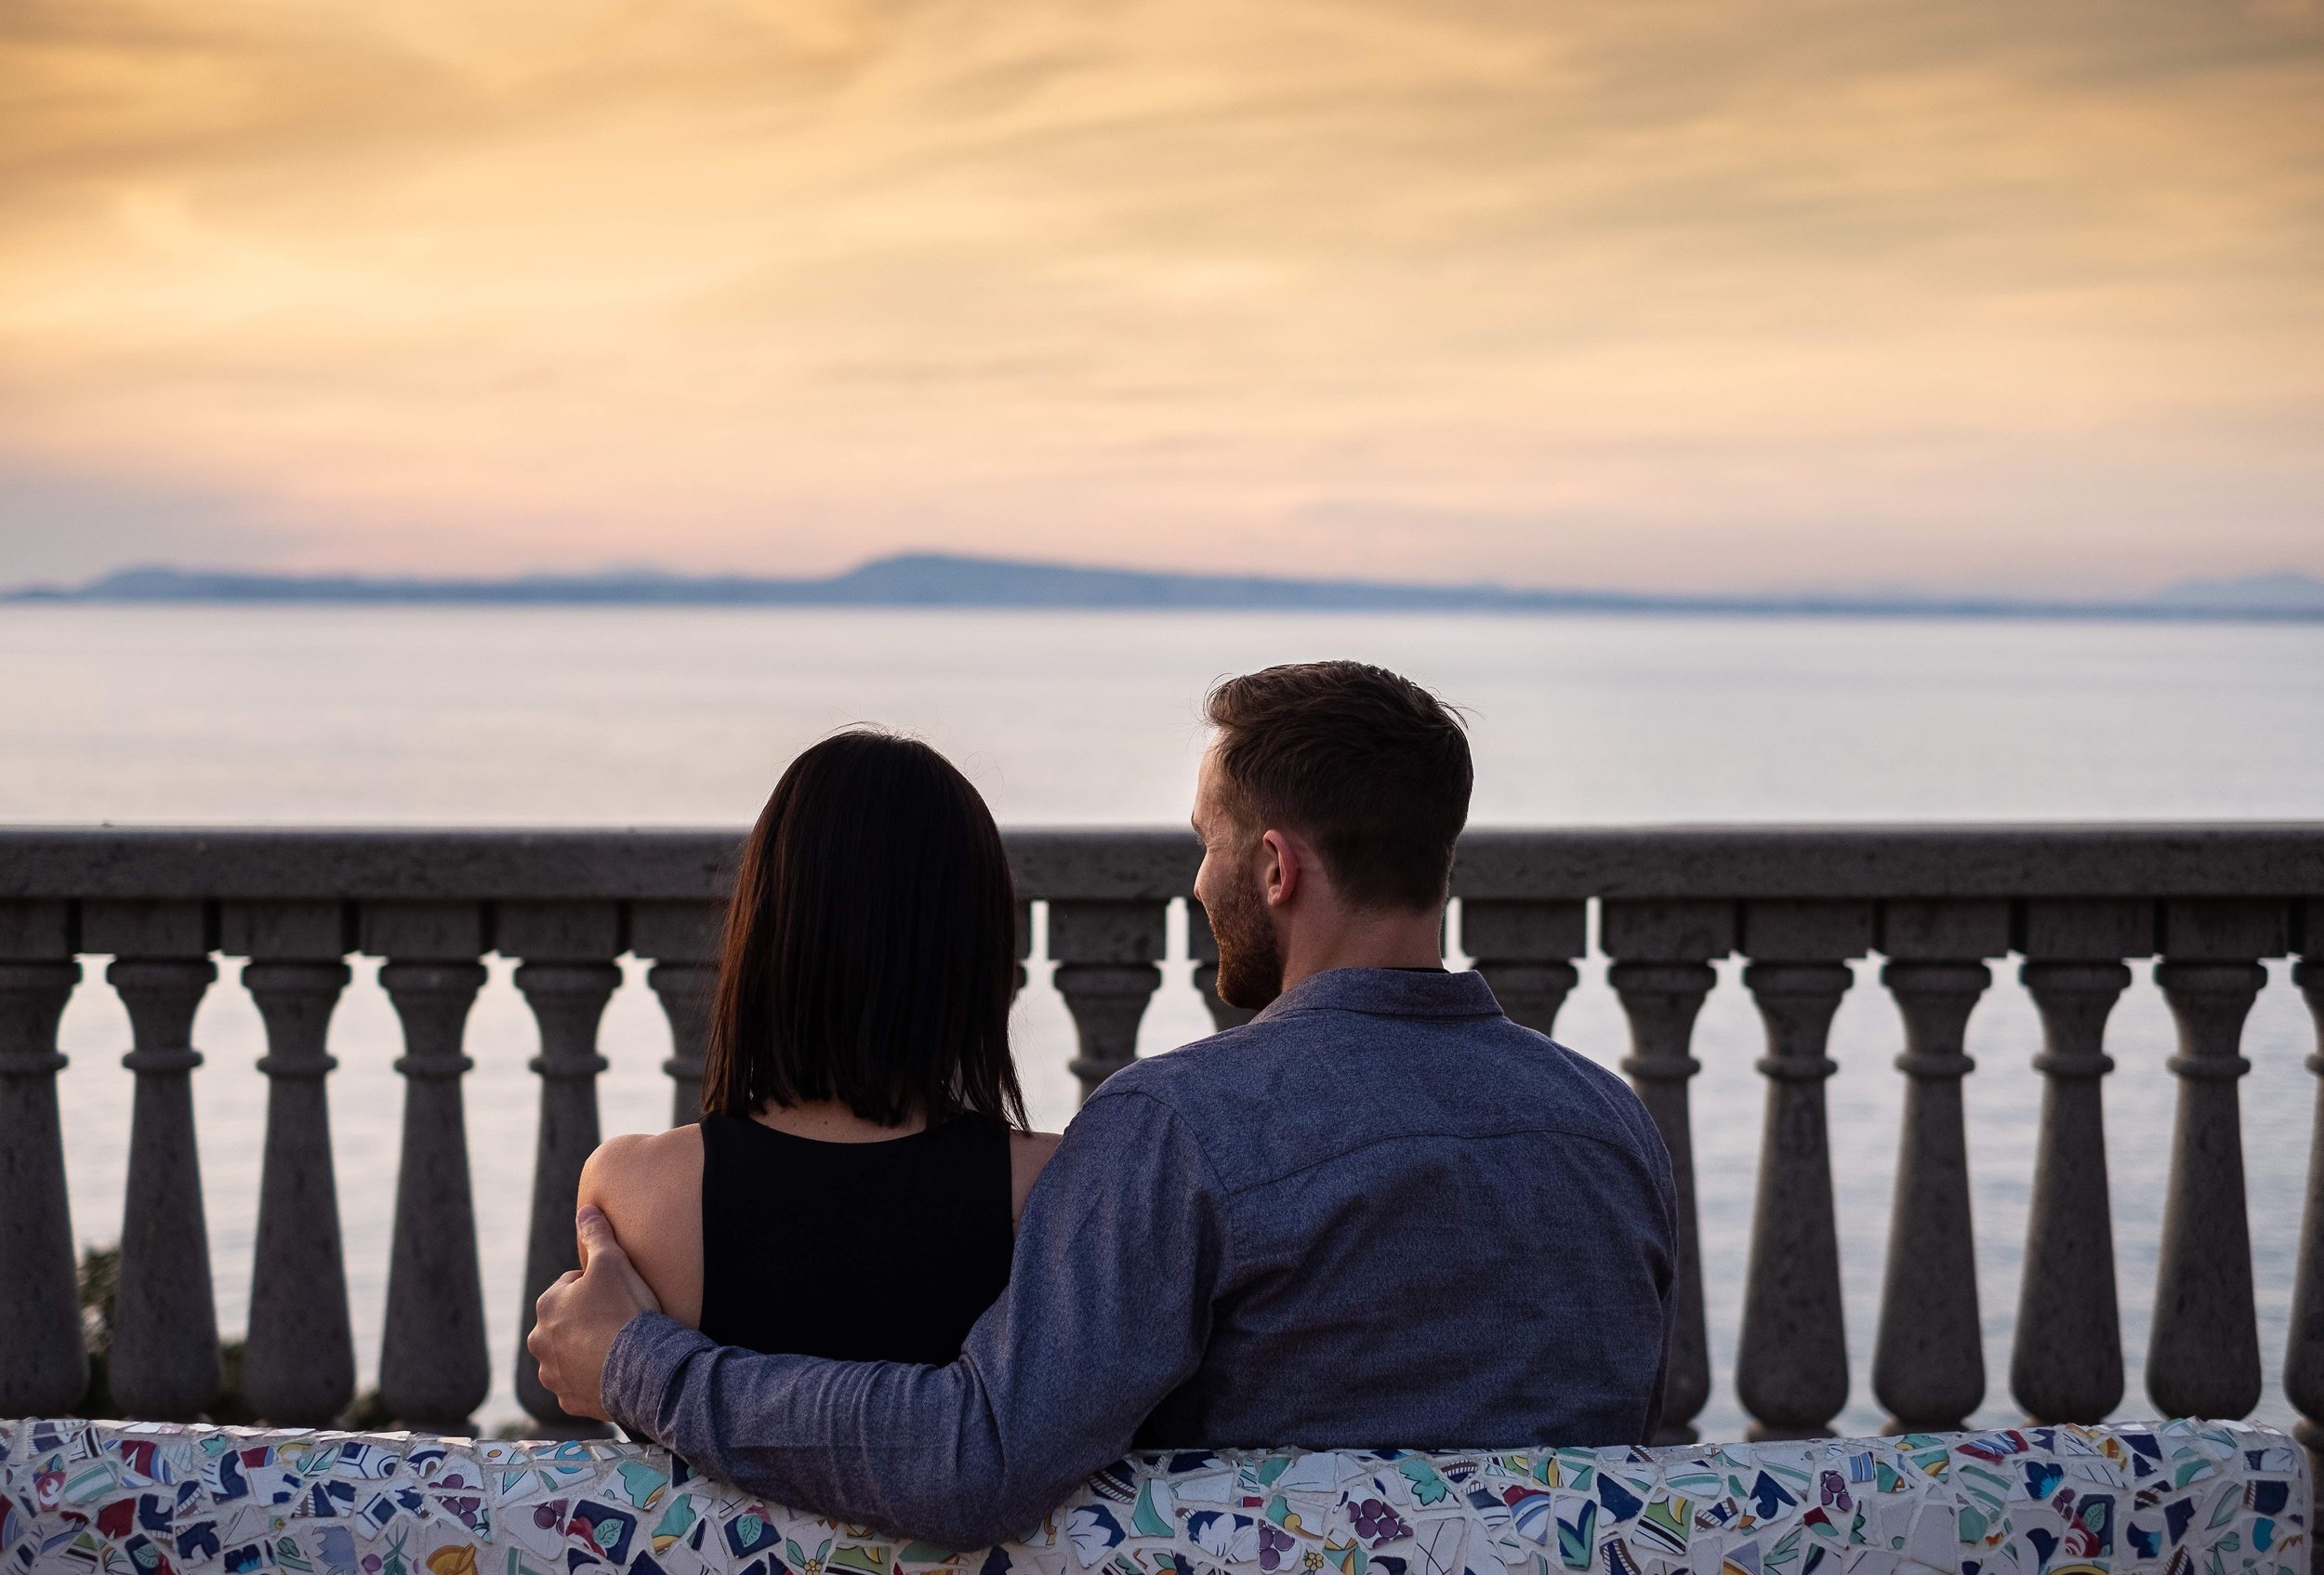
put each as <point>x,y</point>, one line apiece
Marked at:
<point>2178,1498</point>
<point>2076,906</point>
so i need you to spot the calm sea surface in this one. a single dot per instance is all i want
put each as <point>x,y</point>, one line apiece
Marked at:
<point>651,717</point>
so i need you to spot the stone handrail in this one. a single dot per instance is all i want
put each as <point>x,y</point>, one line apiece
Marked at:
<point>2163,1499</point>
<point>2074,903</point>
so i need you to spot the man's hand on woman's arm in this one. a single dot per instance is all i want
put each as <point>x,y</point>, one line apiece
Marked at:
<point>1120,1254</point>
<point>576,1319</point>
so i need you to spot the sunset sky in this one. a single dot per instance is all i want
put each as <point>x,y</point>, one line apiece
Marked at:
<point>1664,294</point>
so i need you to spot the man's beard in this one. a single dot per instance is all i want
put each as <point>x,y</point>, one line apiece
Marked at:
<point>1250,963</point>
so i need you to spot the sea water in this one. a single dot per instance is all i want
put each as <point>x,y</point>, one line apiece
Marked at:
<point>684,717</point>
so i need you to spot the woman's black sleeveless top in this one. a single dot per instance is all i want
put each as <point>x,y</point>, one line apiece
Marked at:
<point>861,1251</point>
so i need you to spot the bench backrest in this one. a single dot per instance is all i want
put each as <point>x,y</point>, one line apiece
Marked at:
<point>2179,1498</point>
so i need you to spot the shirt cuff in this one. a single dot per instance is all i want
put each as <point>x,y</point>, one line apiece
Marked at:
<point>646,1357</point>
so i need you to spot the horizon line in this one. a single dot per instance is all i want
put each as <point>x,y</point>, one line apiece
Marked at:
<point>929,579</point>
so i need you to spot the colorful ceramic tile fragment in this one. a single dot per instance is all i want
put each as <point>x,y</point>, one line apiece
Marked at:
<point>2174,1499</point>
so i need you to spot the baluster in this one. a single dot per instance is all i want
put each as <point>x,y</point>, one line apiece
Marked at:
<point>1203,946</point>
<point>1792,1357</point>
<point>2203,1347</point>
<point>2066,1364</point>
<point>1928,1359</point>
<point>1106,954</point>
<point>434,1367</point>
<point>567,978</point>
<point>1526,950</point>
<point>2303,1346</point>
<point>299,1365</point>
<point>1662,971</point>
<point>687,991</point>
<point>44,1368</point>
<point>165,1363</point>
<point>683,939</point>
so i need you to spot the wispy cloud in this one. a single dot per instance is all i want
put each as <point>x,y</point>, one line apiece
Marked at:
<point>1656,292</point>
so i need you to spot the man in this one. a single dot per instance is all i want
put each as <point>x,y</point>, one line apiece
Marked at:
<point>1378,1215</point>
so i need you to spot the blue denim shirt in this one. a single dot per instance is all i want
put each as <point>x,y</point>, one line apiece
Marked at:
<point>1379,1215</point>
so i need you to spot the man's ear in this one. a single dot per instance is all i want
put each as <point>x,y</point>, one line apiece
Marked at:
<point>1282,872</point>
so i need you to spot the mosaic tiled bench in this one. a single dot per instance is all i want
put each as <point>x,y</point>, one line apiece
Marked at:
<point>2177,1497</point>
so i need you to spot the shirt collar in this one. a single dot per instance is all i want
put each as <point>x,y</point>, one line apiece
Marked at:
<point>1387,992</point>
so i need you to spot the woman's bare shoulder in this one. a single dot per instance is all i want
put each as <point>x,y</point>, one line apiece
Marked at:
<point>649,1185</point>
<point>1027,1153</point>
<point>639,1164</point>
<point>1038,1145</point>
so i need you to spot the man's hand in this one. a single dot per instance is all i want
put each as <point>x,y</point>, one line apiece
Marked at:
<point>575,1319</point>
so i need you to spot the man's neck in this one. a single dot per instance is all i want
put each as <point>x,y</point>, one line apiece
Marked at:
<point>1373,939</point>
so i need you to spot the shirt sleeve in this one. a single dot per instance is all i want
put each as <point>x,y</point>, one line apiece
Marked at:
<point>1121,1252</point>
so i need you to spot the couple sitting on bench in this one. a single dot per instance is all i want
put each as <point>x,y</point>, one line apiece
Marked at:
<point>1378,1215</point>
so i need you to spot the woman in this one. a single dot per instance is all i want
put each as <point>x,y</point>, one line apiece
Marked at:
<point>854,1185</point>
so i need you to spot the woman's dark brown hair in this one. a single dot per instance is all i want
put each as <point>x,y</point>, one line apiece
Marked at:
<point>871,945</point>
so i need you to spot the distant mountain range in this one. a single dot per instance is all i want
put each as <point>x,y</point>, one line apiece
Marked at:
<point>929,579</point>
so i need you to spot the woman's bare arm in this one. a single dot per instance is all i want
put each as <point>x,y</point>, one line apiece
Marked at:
<point>650,1187</point>
<point>1027,1153</point>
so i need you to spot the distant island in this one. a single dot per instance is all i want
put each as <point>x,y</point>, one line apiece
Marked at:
<point>931,579</point>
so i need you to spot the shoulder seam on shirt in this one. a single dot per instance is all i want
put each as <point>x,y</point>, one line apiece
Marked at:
<point>1226,1221</point>
<point>1626,1150</point>
<point>1398,1016</point>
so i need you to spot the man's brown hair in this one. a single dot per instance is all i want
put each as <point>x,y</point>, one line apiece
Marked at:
<point>1369,764</point>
